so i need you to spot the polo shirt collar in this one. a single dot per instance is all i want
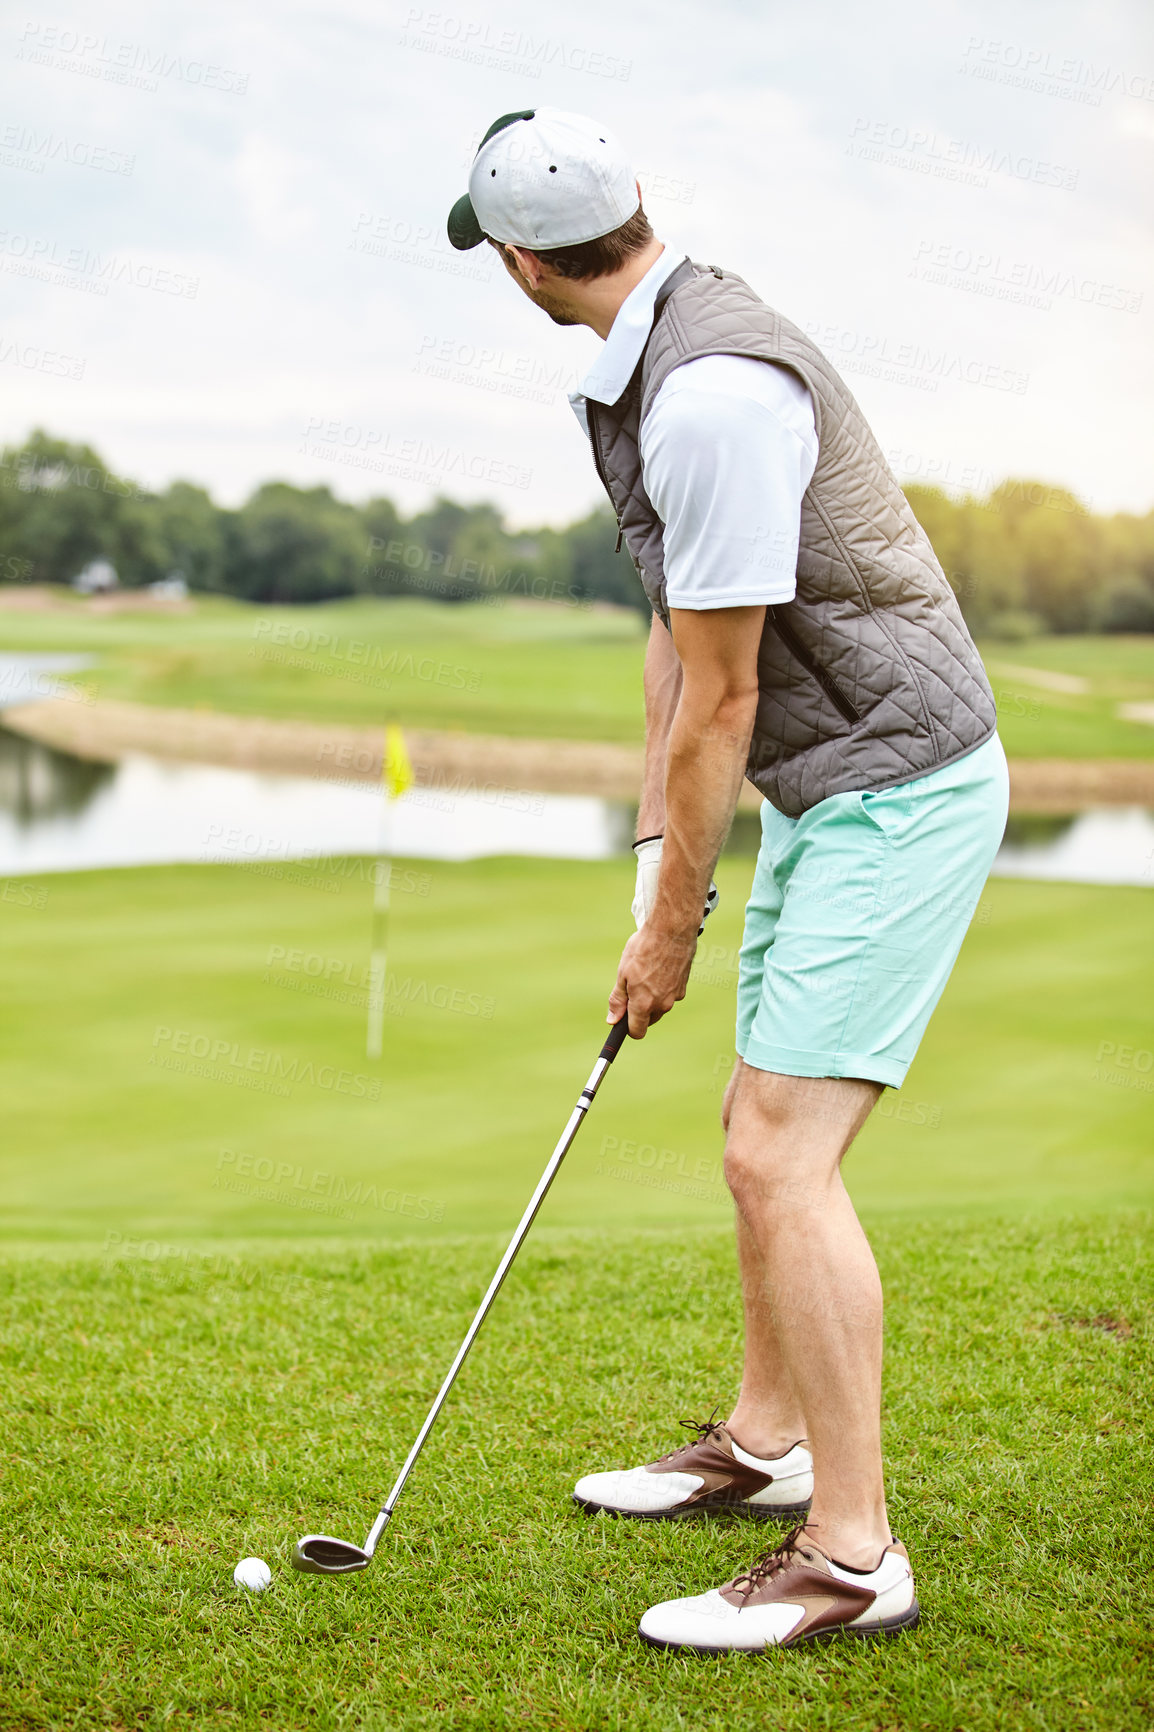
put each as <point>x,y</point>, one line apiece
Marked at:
<point>628,335</point>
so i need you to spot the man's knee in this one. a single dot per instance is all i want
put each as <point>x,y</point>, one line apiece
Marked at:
<point>772,1171</point>
<point>787,1135</point>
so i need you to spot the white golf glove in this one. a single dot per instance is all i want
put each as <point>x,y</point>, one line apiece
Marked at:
<point>648,852</point>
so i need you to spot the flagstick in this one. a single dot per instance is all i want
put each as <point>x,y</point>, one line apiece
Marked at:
<point>378,951</point>
<point>396,777</point>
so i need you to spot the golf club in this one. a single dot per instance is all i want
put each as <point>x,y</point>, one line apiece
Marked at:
<point>320,1555</point>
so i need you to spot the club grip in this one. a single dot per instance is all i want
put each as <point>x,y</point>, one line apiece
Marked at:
<point>615,1039</point>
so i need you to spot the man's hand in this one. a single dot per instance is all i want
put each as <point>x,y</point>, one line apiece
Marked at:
<point>651,977</point>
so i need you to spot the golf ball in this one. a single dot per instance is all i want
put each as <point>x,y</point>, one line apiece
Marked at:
<point>252,1573</point>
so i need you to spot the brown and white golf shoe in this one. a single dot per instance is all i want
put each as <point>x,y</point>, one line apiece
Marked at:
<point>711,1473</point>
<point>795,1593</point>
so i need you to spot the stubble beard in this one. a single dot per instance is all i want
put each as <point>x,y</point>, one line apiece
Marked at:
<point>556,309</point>
<point>548,303</point>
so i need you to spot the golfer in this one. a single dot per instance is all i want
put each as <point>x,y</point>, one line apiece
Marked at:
<point>804,637</point>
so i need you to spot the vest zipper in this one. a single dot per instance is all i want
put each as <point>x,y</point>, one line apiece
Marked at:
<point>591,414</point>
<point>824,679</point>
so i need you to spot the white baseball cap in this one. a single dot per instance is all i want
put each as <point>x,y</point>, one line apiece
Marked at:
<point>543,178</point>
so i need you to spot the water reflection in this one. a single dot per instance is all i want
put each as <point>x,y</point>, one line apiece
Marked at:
<point>38,782</point>
<point>59,813</point>
<point>25,678</point>
<point>1108,845</point>
<point>1037,829</point>
<point>144,811</point>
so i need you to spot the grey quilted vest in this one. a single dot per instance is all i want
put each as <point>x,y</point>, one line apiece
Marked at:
<point>869,677</point>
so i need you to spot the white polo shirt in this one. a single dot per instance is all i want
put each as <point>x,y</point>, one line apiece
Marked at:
<point>727,450</point>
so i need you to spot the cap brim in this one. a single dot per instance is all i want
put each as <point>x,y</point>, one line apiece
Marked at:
<point>464,229</point>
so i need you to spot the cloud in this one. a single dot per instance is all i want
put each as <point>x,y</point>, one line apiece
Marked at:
<point>945,196</point>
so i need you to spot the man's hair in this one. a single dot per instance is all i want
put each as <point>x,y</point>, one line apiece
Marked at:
<point>599,258</point>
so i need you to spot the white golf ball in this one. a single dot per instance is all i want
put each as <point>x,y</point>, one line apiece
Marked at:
<point>252,1573</point>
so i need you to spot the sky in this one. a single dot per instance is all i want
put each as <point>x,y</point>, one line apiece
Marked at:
<point>222,249</point>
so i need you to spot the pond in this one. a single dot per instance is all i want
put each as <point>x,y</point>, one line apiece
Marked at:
<point>25,677</point>
<point>60,813</point>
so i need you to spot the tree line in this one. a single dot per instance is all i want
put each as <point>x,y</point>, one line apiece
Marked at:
<point>1025,558</point>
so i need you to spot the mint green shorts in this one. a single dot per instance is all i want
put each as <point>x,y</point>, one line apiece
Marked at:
<point>856,917</point>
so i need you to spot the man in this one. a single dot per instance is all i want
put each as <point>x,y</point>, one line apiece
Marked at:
<point>805,637</point>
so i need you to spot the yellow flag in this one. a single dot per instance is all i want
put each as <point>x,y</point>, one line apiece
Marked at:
<point>397,767</point>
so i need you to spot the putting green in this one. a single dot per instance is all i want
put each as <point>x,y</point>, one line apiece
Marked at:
<point>183,1058</point>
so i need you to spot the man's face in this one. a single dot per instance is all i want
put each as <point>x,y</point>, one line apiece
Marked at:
<point>550,300</point>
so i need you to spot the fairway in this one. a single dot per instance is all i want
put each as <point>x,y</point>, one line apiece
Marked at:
<point>162,1423</point>
<point>525,669</point>
<point>530,669</point>
<point>183,1056</point>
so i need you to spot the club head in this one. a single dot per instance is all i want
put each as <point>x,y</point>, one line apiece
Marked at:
<point>318,1555</point>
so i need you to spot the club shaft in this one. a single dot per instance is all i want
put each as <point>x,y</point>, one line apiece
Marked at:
<point>584,1102</point>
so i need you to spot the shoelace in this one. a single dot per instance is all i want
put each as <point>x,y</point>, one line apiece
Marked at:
<point>776,1559</point>
<point>702,1430</point>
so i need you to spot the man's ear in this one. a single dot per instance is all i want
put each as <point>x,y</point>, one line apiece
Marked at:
<point>527,263</point>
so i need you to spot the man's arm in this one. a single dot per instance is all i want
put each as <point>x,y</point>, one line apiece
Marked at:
<point>705,756</point>
<point>662,690</point>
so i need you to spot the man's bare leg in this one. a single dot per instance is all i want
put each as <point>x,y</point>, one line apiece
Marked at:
<point>768,1415</point>
<point>812,1295</point>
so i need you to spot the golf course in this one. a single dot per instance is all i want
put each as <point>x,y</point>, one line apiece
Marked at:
<point>518,525</point>
<point>238,1255</point>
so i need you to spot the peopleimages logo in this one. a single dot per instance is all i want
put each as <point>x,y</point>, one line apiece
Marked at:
<point>955,159</point>
<point>71,267</point>
<point>477,43</point>
<point>37,360</point>
<point>26,147</point>
<point>525,377</point>
<point>413,458</point>
<point>323,648</point>
<point>1023,282</point>
<point>30,473</point>
<point>116,62</point>
<point>1124,1067</point>
<point>1029,67</point>
<point>221,1060</point>
<point>918,365</point>
<point>350,982</point>
<point>181,1265</point>
<point>319,1192</point>
<point>425,245</point>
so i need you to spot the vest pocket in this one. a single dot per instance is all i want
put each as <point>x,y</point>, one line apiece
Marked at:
<point>823,677</point>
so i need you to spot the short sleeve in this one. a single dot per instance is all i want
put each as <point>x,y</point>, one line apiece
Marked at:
<point>728,449</point>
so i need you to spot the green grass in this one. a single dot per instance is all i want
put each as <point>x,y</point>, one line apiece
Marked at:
<point>1038,723</point>
<point>520,669</point>
<point>1027,1090</point>
<point>194,1366</point>
<point>160,1425</point>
